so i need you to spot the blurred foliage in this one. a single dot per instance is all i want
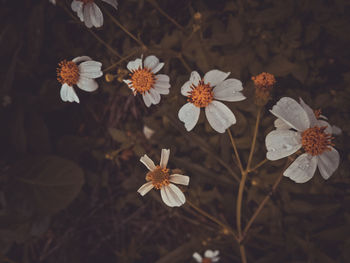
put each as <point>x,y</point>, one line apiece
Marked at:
<point>50,148</point>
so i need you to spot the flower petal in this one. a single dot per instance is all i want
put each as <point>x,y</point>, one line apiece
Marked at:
<point>96,15</point>
<point>281,125</point>
<point>147,162</point>
<point>172,195</point>
<point>162,84</point>
<point>322,123</point>
<point>68,94</point>
<point>134,65</point>
<point>154,96</point>
<point>219,116</point>
<point>328,162</point>
<point>310,113</point>
<point>90,69</point>
<point>147,99</point>
<point>197,257</point>
<point>151,62</point>
<point>189,114</point>
<point>215,76</point>
<point>76,5</point>
<point>282,143</point>
<point>186,88</point>
<point>145,188</point>
<point>292,113</point>
<point>81,59</point>
<point>86,14</point>
<point>302,169</point>
<point>194,78</point>
<point>87,84</point>
<point>229,90</point>
<point>179,179</point>
<point>113,3</point>
<point>164,157</point>
<point>210,253</point>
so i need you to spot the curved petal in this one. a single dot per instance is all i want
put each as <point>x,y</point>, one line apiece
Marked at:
<point>186,88</point>
<point>157,68</point>
<point>145,188</point>
<point>302,169</point>
<point>76,5</point>
<point>86,14</point>
<point>189,114</point>
<point>322,123</point>
<point>162,78</point>
<point>87,84</point>
<point>68,94</point>
<point>229,90</point>
<point>96,15</point>
<point>215,76</point>
<point>310,113</point>
<point>151,62</point>
<point>194,78</point>
<point>219,116</point>
<point>81,59</point>
<point>113,3</point>
<point>291,113</point>
<point>328,162</point>
<point>134,65</point>
<point>282,143</point>
<point>90,69</point>
<point>147,162</point>
<point>147,99</point>
<point>164,157</point>
<point>154,96</point>
<point>336,130</point>
<point>172,195</point>
<point>281,125</point>
<point>210,253</point>
<point>162,84</point>
<point>197,257</point>
<point>179,179</point>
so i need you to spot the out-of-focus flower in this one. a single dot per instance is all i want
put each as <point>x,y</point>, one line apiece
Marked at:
<point>89,12</point>
<point>148,132</point>
<point>204,93</point>
<point>71,73</point>
<point>158,177</point>
<point>263,84</point>
<point>53,2</point>
<point>209,256</point>
<point>6,101</point>
<point>298,127</point>
<point>143,79</point>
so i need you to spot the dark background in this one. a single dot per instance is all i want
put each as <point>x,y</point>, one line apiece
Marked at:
<point>69,172</point>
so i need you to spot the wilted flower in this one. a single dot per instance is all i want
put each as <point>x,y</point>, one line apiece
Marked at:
<point>158,177</point>
<point>89,12</point>
<point>69,73</point>
<point>298,127</point>
<point>143,79</point>
<point>263,84</point>
<point>204,93</point>
<point>209,256</point>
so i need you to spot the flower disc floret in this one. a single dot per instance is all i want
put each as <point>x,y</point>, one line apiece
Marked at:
<point>201,95</point>
<point>315,140</point>
<point>68,72</point>
<point>159,177</point>
<point>142,80</point>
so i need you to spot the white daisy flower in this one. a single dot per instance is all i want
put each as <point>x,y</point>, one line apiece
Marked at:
<point>89,12</point>
<point>143,79</point>
<point>209,256</point>
<point>204,93</point>
<point>298,127</point>
<point>158,177</point>
<point>69,73</point>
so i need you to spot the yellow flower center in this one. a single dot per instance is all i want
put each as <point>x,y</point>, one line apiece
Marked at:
<point>159,177</point>
<point>315,141</point>
<point>201,95</point>
<point>68,72</point>
<point>142,80</point>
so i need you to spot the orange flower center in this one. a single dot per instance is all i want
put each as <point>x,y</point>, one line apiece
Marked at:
<point>315,141</point>
<point>264,80</point>
<point>206,260</point>
<point>68,72</point>
<point>201,95</point>
<point>86,1</point>
<point>142,80</point>
<point>159,177</point>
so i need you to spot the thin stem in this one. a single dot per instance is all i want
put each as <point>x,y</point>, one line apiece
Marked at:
<point>258,165</point>
<point>243,255</point>
<point>181,58</point>
<point>120,61</point>
<point>202,212</point>
<point>235,150</point>
<point>238,214</point>
<point>172,20</point>
<point>252,148</point>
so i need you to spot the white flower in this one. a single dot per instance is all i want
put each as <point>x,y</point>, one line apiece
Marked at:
<point>69,73</point>
<point>209,256</point>
<point>204,93</point>
<point>89,12</point>
<point>158,177</point>
<point>144,80</point>
<point>148,132</point>
<point>298,127</point>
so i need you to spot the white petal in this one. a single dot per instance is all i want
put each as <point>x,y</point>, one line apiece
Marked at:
<point>86,14</point>
<point>195,78</point>
<point>154,96</point>
<point>282,143</point>
<point>197,257</point>
<point>322,123</point>
<point>151,62</point>
<point>113,3</point>
<point>209,253</point>
<point>302,169</point>
<point>87,84</point>
<point>162,84</point>
<point>147,162</point>
<point>90,69</point>
<point>215,259</point>
<point>292,113</point>
<point>189,114</point>
<point>81,59</point>
<point>219,116</point>
<point>76,5</point>
<point>162,78</point>
<point>68,94</point>
<point>214,77</point>
<point>179,179</point>
<point>328,162</point>
<point>127,81</point>
<point>229,90</point>
<point>164,157</point>
<point>157,68</point>
<point>310,113</point>
<point>96,15</point>
<point>172,195</point>
<point>336,130</point>
<point>145,188</point>
<point>147,99</point>
<point>134,65</point>
<point>186,88</point>
<point>281,125</point>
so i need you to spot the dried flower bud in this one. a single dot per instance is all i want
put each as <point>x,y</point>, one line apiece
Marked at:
<point>197,16</point>
<point>109,77</point>
<point>263,83</point>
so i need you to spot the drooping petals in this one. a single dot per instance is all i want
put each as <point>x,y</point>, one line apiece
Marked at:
<point>96,15</point>
<point>179,179</point>
<point>189,114</point>
<point>148,162</point>
<point>215,76</point>
<point>90,69</point>
<point>68,94</point>
<point>86,14</point>
<point>281,125</point>
<point>145,188</point>
<point>164,158</point>
<point>172,196</point>
<point>87,84</point>
<point>328,162</point>
<point>197,257</point>
<point>302,169</point>
<point>81,59</point>
<point>219,116</point>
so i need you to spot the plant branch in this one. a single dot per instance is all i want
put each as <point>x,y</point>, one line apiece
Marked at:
<point>252,148</point>
<point>235,150</point>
